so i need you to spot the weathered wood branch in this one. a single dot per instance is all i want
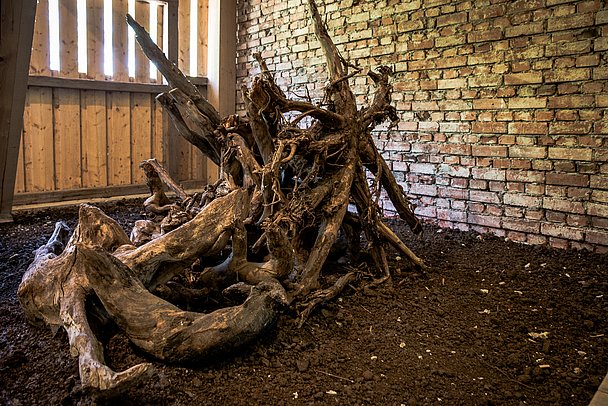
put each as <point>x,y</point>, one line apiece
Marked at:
<point>172,73</point>
<point>156,262</point>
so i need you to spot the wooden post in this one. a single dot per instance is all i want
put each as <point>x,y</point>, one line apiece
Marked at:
<point>221,69</point>
<point>16,33</point>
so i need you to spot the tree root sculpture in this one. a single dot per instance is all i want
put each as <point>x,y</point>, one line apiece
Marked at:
<point>299,183</point>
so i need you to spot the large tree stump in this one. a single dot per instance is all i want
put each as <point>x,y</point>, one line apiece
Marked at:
<point>298,181</point>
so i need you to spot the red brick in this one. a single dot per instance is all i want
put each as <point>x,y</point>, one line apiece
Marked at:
<point>568,206</point>
<point>567,75</point>
<point>599,196</point>
<point>564,166</point>
<point>570,22</point>
<point>443,63</point>
<point>597,237</point>
<point>597,209</point>
<point>451,83</point>
<point>588,60</point>
<point>489,128</point>
<point>489,104</point>
<point>555,216</point>
<point>577,221</point>
<point>518,151</point>
<point>425,190</point>
<point>485,13</point>
<point>424,168</point>
<point>571,102</point>
<point>525,176</point>
<point>454,18</point>
<point>574,154</point>
<point>459,182</point>
<point>489,221</point>
<point>528,103</point>
<point>523,225</point>
<point>426,211</point>
<point>488,174</point>
<point>559,243</point>
<point>575,127</point>
<point>536,239</point>
<point>524,30</point>
<point>485,80</point>
<point>489,150</point>
<point>452,215</point>
<point>406,26</point>
<point>488,35</point>
<point>483,196</point>
<point>562,231</point>
<point>516,199</point>
<point>601,127</point>
<point>485,58</point>
<point>523,78</point>
<point>544,115</point>
<point>530,128</point>
<point>599,222</point>
<point>578,193</point>
<point>534,214</point>
<point>449,41</point>
<point>567,179</point>
<point>534,189</point>
<point>478,184</point>
<point>453,193</point>
<point>496,186</point>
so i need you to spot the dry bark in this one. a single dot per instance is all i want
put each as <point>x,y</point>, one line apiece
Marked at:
<point>280,207</point>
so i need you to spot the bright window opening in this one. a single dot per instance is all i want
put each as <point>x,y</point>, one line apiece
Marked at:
<point>193,37</point>
<point>108,55</point>
<point>153,34</point>
<point>81,13</point>
<point>131,42</point>
<point>54,35</point>
<point>158,28</point>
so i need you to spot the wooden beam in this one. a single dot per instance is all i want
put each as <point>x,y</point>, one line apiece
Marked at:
<point>221,60</point>
<point>16,33</point>
<point>91,193</point>
<point>106,85</point>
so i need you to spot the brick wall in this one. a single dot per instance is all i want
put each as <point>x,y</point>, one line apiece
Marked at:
<point>503,104</point>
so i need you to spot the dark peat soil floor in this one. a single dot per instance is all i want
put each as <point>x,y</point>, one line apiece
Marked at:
<point>491,322</point>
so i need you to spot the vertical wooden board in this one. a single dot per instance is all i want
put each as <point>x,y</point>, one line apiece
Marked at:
<point>16,35</point>
<point>95,58</point>
<point>159,132</point>
<point>119,138</point>
<point>40,61</point>
<point>119,40</point>
<point>141,133</point>
<point>198,165</point>
<point>66,121</point>
<point>94,143</point>
<point>93,106</point>
<point>182,154</point>
<point>38,142</point>
<point>184,35</point>
<point>160,17</point>
<point>212,171</point>
<point>20,176</point>
<point>142,63</point>
<point>68,37</point>
<point>119,120</point>
<point>203,23</point>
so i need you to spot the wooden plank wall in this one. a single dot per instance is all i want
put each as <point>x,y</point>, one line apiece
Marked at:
<point>82,139</point>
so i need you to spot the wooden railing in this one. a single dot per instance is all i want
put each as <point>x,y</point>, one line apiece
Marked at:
<point>85,133</point>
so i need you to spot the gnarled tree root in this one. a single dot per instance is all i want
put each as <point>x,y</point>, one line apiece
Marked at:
<point>55,288</point>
